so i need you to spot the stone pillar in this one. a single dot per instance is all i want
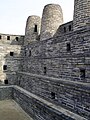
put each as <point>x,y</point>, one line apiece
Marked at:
<point>52,18</point>
<point>32,30</point>
<point>81,14</point>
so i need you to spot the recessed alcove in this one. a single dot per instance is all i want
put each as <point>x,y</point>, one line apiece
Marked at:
<point>0,37</point>
<point>11,53</point>
<point>4,67</point>
<point>35,28</point>
<point>16,38</point>
<point>68,47</point>
<point>82,73</point>
<point>6,81</point>
<point>52,95</point>
<point>45,70</point>
<point>8,37</point>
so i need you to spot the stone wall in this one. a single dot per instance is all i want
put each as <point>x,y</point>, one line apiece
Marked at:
<point>40,109</point>
<point>6,92</point>
<point>58,70</point>
<point>52,18</point>
<point>65,56</point>
<point>54,67</point>
<point>10,56</point>
<point>32,30</point>
<point>71,95</point>
<point>11,39</point>
<point>81,14</point>
<point>64,28</point>
<point>36,107</point>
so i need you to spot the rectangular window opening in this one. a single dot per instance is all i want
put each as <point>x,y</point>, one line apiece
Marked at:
<point>11,53</point>
<point>69,27</point>
<point>19,82</point>
<point>64,29</point>
<point>4,67</point>
<point>25,53</point>
<point>82,73</point>
<point>0,37</point>
<point>16,38</point>
<point>45,70</point>
<point>68,47</point>
<point>52,95</point>
<point>5,81</point>
<point>29,53</point>
<point>8,37</point>
<point>35,29</point>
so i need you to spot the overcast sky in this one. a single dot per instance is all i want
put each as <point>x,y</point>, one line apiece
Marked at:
<point>13,13</point>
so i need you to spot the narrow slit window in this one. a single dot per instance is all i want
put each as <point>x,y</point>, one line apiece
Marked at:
<point>25,53</point>
<point>35,28</point>
<point>68,47</point>
<point>19,82</point>
<point>52,95</point>
<point>64,29</point>
<point>11,53</point>
<point>0,37</point>
<point>29,53</point>
<point>8,37</point>
<point>82,73</point>
<point>45,70</point>
<point>4,67</point>
<point>69,27</point>
<point>5,81</point>
<point>16,38</point>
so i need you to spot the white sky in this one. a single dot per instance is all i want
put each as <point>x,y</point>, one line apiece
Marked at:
<point>14,13</point>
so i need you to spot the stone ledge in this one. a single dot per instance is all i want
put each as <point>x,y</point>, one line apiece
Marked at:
<point>48,79</point>
<point>56,108</point>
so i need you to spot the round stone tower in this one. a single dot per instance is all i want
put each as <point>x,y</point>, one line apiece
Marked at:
<point>32,30</point>
<point>52,18</point>
<point>81,14</point>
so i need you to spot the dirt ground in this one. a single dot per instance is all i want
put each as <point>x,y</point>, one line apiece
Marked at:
<point>10,110</point>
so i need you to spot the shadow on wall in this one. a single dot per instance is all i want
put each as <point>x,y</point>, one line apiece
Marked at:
<point>11,60</point>
<point>46,36</point>
<point>13,51</point>
<point>64,28</point>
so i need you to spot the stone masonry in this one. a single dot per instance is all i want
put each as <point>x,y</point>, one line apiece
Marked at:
<point>48,69</point>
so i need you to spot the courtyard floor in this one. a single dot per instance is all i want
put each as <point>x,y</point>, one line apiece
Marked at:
<point>10,110</point>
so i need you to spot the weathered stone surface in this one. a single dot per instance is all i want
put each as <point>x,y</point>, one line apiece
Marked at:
<point>10,55</point>
<point>53,65</point>
<point>59,62</point>
<point>71,95</point>
<point>36,107</point>
<point>5,93</point>
<point>81,14</point>
<point>52,18</point>
<point>32,29</point>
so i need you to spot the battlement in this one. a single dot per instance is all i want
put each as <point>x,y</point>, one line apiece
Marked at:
<point>11,39</point>
<point>50,64</point>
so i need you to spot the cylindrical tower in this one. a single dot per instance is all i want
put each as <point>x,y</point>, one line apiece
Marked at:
<point>52,18</point>
<point>81,14</point>
<point>32,30</point>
